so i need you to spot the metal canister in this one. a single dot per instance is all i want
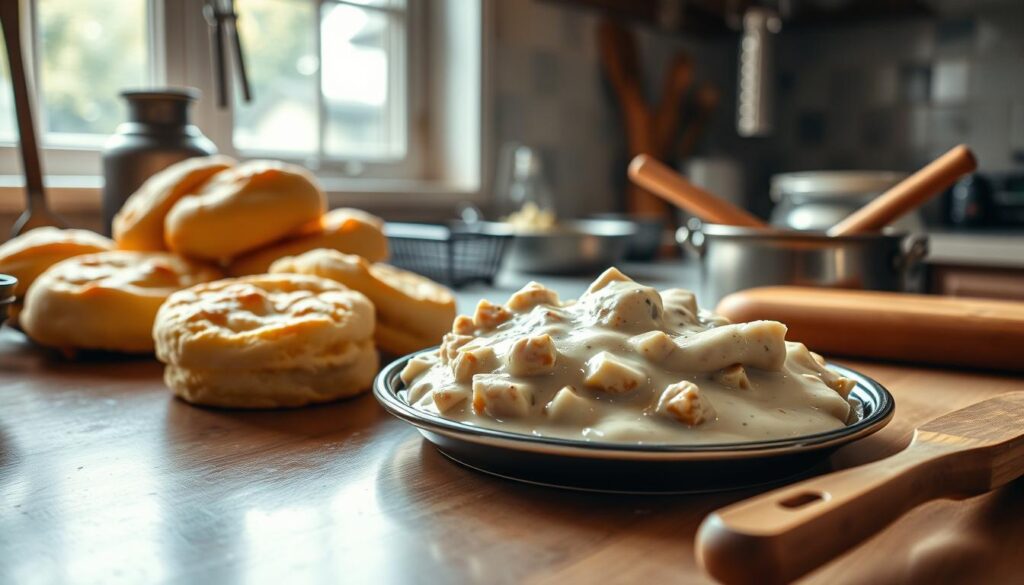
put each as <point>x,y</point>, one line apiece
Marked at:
<point>158,133</point>
<point>817,200</point>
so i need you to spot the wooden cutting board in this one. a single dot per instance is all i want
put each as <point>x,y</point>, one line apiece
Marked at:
<point>947,331</point>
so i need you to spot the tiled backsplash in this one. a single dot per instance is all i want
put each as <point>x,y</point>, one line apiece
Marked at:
<point>880,95</point>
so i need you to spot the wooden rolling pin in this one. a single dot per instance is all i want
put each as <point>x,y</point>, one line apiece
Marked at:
<point>947,331</point>
<point>908,194</point>
<point>670,186</point>
<point>784,534</point>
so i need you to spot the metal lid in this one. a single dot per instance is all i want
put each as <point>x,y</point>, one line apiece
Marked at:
<point>833,183</point>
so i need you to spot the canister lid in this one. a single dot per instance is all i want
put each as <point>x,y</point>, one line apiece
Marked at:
<point>833,183</point>
<point>7,284</point>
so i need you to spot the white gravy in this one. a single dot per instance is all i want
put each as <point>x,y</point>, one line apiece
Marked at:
<point>625,364</point>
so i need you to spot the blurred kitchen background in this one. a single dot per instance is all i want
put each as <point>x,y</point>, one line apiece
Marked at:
<point>405,108</point>
<point>876,85</point>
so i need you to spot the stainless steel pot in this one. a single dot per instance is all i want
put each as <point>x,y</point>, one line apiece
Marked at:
<point>735,258</point>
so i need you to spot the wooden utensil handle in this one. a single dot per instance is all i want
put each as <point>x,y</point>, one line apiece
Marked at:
<point>909,193</point>
<point>786,533</point>
<point>667,184</point>
<point>10,20</point>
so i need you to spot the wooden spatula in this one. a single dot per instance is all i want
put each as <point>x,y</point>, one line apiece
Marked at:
<point>779,536</point>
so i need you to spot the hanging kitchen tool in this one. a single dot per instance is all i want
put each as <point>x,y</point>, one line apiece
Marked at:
<point>37,213</point>
<point>786,533</point>
<point>223,21</point>
<point>756,71</point>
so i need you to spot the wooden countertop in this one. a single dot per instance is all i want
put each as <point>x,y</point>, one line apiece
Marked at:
<point>105,478</point>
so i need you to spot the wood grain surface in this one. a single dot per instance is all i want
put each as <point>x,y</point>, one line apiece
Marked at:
<point>104,479</point>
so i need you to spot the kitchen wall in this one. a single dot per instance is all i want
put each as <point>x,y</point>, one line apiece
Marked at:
<point>873,95</point>
<point>550,94</point>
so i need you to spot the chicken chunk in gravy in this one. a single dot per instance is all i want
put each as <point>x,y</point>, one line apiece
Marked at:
<point>625,364</point>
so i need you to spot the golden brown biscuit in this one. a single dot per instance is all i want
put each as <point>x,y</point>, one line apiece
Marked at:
<point>140,223</point>
<point>106,301</point>
<point>243,208</point>
<point>346,230</point>
<point>275,388</point>
<point>413,312</point>
<point>28,255</point>
<point>263,321</point>
<point>266,341</point>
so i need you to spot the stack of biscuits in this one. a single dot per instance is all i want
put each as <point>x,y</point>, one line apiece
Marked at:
<point>266,341</point>
<point>307,333</point>
<point>241,216</point>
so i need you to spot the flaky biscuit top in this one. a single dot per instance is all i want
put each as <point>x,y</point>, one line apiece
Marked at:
<point>143,274</point>
<point>264,321</point>
<point>107,300</point>
<point>28,255</point>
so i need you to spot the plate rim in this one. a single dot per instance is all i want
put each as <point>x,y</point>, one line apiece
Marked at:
<point>424,421</point>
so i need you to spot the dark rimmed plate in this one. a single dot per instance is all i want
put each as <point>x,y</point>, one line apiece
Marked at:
<point>578,464</point>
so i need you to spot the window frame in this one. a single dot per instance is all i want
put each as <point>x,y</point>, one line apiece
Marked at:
<point>440,169</point>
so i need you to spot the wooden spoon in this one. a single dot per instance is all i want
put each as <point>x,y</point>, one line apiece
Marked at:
<point>779,536</point>
<point>909,193</point>
<point>670,186</point>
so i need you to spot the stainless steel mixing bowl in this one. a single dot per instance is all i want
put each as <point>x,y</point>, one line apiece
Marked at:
<point>572,247</point>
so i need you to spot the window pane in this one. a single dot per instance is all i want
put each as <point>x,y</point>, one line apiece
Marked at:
<point>91,50</point>
<point>280,58</point>
<point>8,124</point>
<point>357,55</point>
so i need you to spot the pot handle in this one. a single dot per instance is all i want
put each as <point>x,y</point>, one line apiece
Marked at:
<point>915,250</point>
<point>691,237</point>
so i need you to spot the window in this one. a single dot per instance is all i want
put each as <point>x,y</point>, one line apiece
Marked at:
<point>77,80</point>
<point>329,79</point>
<point>341,86</point>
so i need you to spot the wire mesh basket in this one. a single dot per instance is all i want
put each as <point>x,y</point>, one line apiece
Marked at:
<point>454,254</point>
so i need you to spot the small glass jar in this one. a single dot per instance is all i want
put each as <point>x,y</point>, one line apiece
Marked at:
<point>817,200</point>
